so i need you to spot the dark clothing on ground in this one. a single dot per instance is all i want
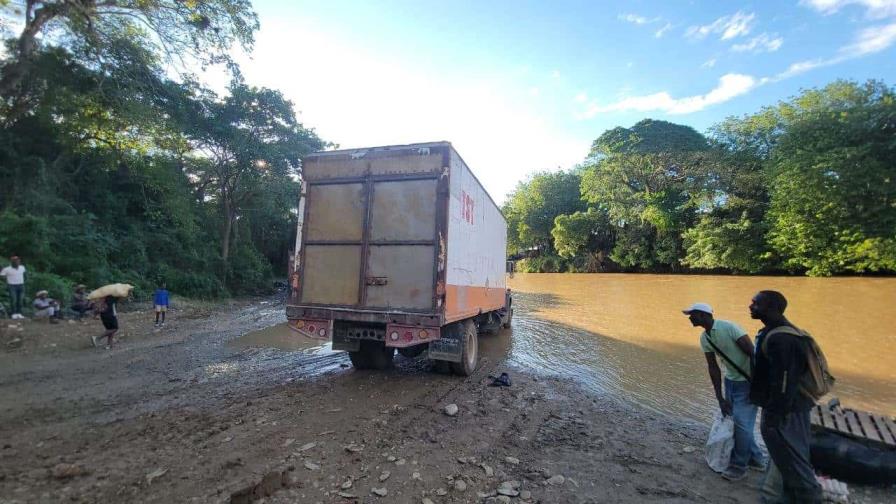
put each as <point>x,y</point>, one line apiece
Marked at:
<point>787,439</point>
<point>776,374</point>
<point>785,411</point>
<point>16,297</point>
<point>80,304</point>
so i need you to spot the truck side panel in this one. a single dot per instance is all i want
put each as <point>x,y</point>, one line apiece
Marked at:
<point>476,247</point>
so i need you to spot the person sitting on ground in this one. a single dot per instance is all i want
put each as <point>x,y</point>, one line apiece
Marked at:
<point>161,302</point>
<point>80,303</point>
<point>46,307</point>
<point>109,315</point>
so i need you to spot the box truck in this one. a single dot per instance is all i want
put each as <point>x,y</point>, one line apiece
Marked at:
<point>398,248</point>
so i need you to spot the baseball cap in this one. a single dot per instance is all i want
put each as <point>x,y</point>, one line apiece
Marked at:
<point>705,308</point>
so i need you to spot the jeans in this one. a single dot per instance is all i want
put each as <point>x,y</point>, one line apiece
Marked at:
<point>787,439</point>
<point>744,413</point>
<point>16,294</point>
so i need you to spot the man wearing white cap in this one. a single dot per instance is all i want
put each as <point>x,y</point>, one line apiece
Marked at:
<point>734,348</point>
<point>46,307</point>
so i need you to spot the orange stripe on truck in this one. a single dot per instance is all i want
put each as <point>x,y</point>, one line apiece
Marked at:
<point>464,301</point>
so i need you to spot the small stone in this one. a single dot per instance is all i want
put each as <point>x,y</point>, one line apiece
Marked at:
<point>507,488</point>
<point>415,476</point>
<point>66,471</point>
<point>441,492</point>
<point>461,460</point>
<point>427,501</point>
<point>288,442</point>
<point>311,466</point>
<point>503,499</point>
<point>346,495</point>
<point>460,485</point>
<point>512,460</point>
<point>451,410</point>
<point>346,485</point>
<point>525,495</point>
<point>381,492</point>
<point>689,449</point>
<point>307,446</point>
<point>391,458</point>
<point>488,470</point>
<point>158,473</point>
<point>352,448</point>
<point>227,439</point>
<point>401,462</point>
<point>385,475</point>
<point>556,480</point>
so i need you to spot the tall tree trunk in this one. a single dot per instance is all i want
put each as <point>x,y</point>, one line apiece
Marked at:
<point>17,68</point>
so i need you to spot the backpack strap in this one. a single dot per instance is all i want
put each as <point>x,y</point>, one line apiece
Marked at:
<point>784,329</point>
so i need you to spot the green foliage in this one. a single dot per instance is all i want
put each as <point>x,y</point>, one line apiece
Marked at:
<point>532,207</point>
<point>805,186</point>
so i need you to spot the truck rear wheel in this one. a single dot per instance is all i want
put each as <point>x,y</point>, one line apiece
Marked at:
<point>372,355</point>
<point>470,357</point>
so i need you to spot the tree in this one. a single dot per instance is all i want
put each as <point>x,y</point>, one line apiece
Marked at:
<point>532,207</point>
<point>832,180</point>
<point>648,178</point>
<point>180,31</point>
<point>242,145</point>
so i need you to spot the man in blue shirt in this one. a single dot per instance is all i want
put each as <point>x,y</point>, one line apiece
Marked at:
<point>730,343</point>
<point>160,299</point>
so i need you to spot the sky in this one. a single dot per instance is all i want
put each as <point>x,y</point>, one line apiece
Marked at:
<point>520,87</point>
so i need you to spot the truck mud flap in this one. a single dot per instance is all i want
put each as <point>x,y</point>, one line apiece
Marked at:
<point>449,348</point>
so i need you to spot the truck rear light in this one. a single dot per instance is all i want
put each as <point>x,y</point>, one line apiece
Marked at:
<point>312,328</point>
<point>401,336</point>
<point>422,334</point>
<point>394,336</point>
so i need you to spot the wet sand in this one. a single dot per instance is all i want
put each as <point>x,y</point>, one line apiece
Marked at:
<point>208,409</point>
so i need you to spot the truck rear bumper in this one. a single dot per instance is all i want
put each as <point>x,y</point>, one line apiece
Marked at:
<point>346,335</point>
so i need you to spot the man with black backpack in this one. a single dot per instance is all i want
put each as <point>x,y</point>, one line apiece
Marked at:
<point>781,366</point>
<point>730,343</point>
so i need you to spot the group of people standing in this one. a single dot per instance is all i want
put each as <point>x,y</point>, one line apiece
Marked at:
<point>44,306</point>
<point>765,375</point>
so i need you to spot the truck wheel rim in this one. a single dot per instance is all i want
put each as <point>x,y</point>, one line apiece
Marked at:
<point>472,350</point>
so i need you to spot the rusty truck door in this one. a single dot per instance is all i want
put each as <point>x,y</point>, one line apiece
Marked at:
<point>401,244</point>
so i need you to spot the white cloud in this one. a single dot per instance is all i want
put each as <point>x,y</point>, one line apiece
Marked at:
<point>709,63</point>
<point>662,31</point>
<point>875,9</point>
<point>730,86</point>
<point>868,41</point>
<point>636,19</point>
<point>760,43</point>
<point>736,25</point>
<point>582,97</point>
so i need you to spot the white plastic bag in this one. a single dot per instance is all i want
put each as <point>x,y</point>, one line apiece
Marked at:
<point>720,443</point>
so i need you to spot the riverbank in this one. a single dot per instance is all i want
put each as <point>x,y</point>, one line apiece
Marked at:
<point>185,415</point>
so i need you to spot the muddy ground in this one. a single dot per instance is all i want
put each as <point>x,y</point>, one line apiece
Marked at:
<point>195,413</point>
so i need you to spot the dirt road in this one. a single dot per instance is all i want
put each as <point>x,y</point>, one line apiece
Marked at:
<point>184,414</point>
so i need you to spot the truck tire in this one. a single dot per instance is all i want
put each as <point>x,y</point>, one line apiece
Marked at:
<point>378,355</point>
<point>359,359</point>
<point>470,356</point>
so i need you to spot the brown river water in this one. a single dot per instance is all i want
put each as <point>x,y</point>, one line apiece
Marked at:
<point>625,335</point>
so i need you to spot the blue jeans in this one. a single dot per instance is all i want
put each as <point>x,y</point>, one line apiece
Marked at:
<point>745,447</point>
<point>16,294</point>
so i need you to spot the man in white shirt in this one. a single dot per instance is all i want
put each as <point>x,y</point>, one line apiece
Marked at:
<point>15,282</point>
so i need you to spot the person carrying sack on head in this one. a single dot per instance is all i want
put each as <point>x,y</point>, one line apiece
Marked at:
<point>730,343</point>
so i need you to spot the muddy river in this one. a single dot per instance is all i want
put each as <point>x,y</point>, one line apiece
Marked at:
<point>626,335</point>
